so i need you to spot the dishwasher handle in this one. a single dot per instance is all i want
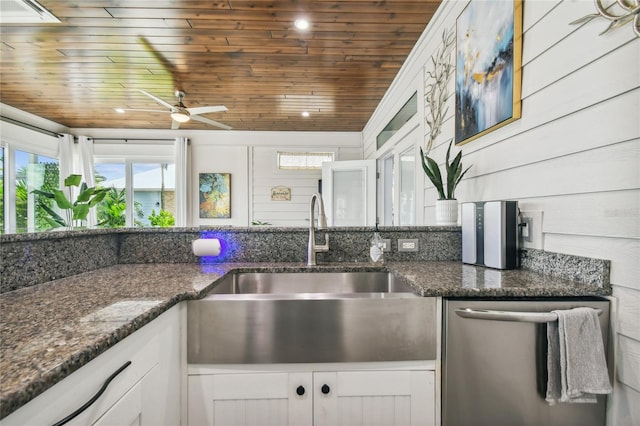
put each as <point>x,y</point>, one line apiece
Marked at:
<point>486,314</point>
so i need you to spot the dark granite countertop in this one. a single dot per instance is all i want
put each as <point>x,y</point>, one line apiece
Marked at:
<point>50,330</point>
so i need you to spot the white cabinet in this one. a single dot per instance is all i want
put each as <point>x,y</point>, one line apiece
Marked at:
<point>126,412</point>
<point>265,399</point>
<point>374,398</point>
<point>330,398</point>
<point>145,392</point>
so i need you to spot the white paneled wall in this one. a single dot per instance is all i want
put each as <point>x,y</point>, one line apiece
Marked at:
<point>303,184</point>
<point>574,154</point>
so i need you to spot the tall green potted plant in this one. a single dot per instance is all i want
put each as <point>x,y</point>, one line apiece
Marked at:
<point>446,204</point>
<point>75,212</point>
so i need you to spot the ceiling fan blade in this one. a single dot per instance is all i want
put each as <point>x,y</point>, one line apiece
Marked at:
<point>207,109</point>
<point>164,62</point>
<point>210,122</point>
<point>157,99</point>
<point>175,125</point>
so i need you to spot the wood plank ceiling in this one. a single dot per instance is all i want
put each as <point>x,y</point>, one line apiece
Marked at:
<point>244,54</point>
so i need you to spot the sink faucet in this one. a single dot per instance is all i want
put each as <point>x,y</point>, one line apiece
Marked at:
<point>312,247</point>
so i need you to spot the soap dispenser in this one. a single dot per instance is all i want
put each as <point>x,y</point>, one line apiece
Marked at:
<point>376,250</point>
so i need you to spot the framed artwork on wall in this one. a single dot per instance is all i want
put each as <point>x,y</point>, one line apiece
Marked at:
<point>488,67</point>
<point>215,195</point>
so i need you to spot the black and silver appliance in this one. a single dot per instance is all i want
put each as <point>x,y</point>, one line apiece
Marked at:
<point>490,234</point>
<point>494,364</point>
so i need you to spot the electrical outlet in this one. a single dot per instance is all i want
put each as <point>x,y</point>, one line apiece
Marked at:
<point>386,245</point>
<point>527,229</point>
<point>408,244</point>
<point>531,231</point>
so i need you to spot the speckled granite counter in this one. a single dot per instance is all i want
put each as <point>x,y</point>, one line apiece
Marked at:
<point>52,329</point>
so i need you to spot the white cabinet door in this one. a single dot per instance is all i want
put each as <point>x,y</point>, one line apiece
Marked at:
<point>126,412</point>
<point>246,399</point>
<point>349,192</point>
<point>371,398</point>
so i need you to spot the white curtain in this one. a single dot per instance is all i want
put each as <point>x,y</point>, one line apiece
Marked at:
<point>181,159</point>
<point>85,156</point>
<point>68,163</point>
<point>77,159</point>
<point>85,168</point>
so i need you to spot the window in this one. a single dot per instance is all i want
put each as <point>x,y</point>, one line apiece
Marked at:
<point>112,211</point>
<point>406,113</point>
<point>34,171</point>
<point>152,186</point>
<point>303,160</point>
<point>154,191</point>
<point>406,208</point>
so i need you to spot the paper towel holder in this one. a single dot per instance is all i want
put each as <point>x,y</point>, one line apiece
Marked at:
<point>206,247</point>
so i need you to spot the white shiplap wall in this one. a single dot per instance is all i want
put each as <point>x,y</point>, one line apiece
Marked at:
<point>574,154</point>
<point>303,183</point>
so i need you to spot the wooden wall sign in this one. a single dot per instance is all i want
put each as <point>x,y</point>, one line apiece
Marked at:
<point>280,193</point>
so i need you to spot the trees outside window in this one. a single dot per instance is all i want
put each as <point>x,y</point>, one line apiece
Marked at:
<point>34,171</point>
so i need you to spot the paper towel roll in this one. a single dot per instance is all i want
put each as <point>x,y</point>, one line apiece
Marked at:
<point>206,247</point>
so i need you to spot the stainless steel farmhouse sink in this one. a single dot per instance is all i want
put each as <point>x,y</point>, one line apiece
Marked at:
<point>299,283</point>
<point>303,317</point>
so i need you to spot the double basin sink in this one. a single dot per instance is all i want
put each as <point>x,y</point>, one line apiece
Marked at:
<point>300,317</point>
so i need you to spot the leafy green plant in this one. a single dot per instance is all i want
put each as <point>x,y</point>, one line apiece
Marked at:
<point>75,212</point>
<point>111,211</point>
<point>453,171</point>
<point>163,219</point>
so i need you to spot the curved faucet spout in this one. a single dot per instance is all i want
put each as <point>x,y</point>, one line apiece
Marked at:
<point>312,247</point>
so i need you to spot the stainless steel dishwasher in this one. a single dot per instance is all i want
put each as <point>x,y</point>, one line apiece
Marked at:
<point>494,363</point>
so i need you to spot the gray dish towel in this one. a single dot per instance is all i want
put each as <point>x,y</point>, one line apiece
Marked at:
<point>576,364</point>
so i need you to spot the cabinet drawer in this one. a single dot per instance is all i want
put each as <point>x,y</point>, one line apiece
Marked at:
<point>141,348</point>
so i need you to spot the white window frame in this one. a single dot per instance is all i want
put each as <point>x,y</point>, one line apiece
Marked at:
<point>10,148</point>
<point>307,154</point>
<point>128,159</point>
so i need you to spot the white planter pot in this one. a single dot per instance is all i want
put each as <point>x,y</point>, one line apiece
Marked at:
<point>446,212</point>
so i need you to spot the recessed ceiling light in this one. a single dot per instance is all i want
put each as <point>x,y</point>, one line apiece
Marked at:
<point>301,24</point>
<point>120,110</point>
<point>305,113</point>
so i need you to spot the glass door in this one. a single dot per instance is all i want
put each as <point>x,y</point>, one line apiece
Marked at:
<point>349,192</point>
<point>406,202</point>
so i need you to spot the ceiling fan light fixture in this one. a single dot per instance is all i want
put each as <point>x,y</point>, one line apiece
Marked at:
<point>180,116</point>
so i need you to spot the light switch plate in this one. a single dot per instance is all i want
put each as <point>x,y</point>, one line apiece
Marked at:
<point>408,244</point>
<point>531,235</point>
<point>386,245</point>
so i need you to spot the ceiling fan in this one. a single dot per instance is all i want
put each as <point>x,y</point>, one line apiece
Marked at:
<point>181,114</point>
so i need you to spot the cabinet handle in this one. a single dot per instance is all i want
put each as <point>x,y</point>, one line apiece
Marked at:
<point>325,389</point>
<point>300,390</point>
<point>94,398</point>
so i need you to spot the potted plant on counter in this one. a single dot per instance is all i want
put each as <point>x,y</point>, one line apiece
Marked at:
<point>446,204</point>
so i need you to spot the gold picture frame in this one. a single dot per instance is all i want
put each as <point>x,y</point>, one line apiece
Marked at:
<point>488,68</point>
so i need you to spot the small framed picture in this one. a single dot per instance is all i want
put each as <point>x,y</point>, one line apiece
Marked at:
<point>215,195</point>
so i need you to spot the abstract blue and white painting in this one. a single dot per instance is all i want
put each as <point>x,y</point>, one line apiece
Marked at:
<point>484,67</point>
